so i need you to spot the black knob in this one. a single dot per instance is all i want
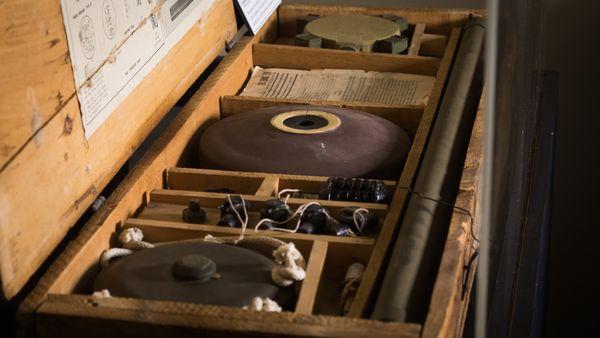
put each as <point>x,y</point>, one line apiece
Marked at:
<point>229,220</point>
<point>369,222</point>
<point>194,204</point>
<point>340,230</point>
<point>276,210</point>
<point>306,228</point>
<point>315,215</point>
<point>194,268</point>
<point>237,203</point>
<point>193,213</point>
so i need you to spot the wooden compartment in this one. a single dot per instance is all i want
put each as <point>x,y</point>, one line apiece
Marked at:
<point>155,192</point>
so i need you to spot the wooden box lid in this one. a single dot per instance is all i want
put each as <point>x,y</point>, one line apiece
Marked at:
<point>49,172</point>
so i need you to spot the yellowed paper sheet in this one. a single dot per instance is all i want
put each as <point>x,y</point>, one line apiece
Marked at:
<point>340,85</point>
<point>114,44</point>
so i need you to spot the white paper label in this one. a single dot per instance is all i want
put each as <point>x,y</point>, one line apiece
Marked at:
<point>114,44</point>
<point>256,12</point>
<point>340,85</point>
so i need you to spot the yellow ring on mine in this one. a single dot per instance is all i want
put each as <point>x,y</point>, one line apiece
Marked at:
<point>333,122</point>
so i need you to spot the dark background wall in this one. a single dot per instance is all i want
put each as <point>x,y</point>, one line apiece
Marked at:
<point>572,40</point>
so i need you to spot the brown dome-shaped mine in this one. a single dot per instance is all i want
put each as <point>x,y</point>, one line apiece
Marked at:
<point>205,273</point>
<point>306,140</point>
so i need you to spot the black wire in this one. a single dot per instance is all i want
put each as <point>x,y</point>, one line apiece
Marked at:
<point>452,205</point>
<point>467,266</point>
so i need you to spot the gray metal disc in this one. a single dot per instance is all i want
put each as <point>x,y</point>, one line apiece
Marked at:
<point>152,274</point>
<point>359,32</point>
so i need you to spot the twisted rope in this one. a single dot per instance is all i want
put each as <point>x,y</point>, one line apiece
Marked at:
<point>131,239</point>
<point>263,304</point>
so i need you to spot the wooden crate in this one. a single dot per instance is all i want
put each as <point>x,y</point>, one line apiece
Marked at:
<point>154,193</point>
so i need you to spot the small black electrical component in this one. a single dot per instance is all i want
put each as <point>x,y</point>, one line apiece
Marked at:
<point>354,189</point>
<point>340,230</point>
<point>306,228</point>
<point>276,210</point>
<point>313,220</point>
<point>360,222</point>
<point>237,203</point>
<point>193,213</point>
<point>228,216</point>
<point>229,220</point>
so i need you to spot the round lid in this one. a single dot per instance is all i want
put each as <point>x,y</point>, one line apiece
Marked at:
<point>362,30</point>
<point>205,273</point>
<point>306,140</point>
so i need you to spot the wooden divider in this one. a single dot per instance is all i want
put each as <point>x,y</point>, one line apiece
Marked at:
<point>433,45</point>
<point>161,222</point>
<point>314,272</point>
<point>338,252</point>
<point>417,38</point>
<point>206,179</point>
<point>214,199</point>
<point>269,186</point>
<point>282,56</point>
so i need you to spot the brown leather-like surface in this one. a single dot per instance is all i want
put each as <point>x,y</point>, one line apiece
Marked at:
<point>364,145</point>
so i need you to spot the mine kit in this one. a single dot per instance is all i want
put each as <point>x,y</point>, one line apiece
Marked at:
<point>321,182</point>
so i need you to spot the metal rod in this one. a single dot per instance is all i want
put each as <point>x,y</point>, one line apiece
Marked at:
<point>413,265</point>
<point>485,193</point>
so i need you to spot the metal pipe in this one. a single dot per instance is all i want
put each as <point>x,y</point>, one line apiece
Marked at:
<point>410,275</point>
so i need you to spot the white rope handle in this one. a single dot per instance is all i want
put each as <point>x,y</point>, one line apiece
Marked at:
<point>112,253</point>
<point>243,222</point>
<point>287,191</point>
<point>352,280</point>
<point>290,265</point>
<point>287,197</point>
<point>104,293</point>
<point>263,304</point>
<point>131,239</point>
<point>360,225</point>
<point>299,212</point>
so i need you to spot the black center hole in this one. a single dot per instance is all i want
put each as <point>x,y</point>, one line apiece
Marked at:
<point>306,123</point>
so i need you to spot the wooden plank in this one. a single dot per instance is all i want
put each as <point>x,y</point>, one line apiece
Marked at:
<point>37,78</point>
<point>438,20</point>
<point>417,38</point>
<point>447,311</point>
<point>82,253</point>
<point>163,231</point>
<point>52,181</point>
<point>310,285</point>
<point>374,270</point>
<point>309,185</point>
<point>433,44</point>
<point>407,117</point>
<point>281,56</point>
<point>213,200</point>
<point>269,186</point>
<point>173,213</point>
<point>208,179</point>
<point>83,316</point>
<point>243,182</point>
